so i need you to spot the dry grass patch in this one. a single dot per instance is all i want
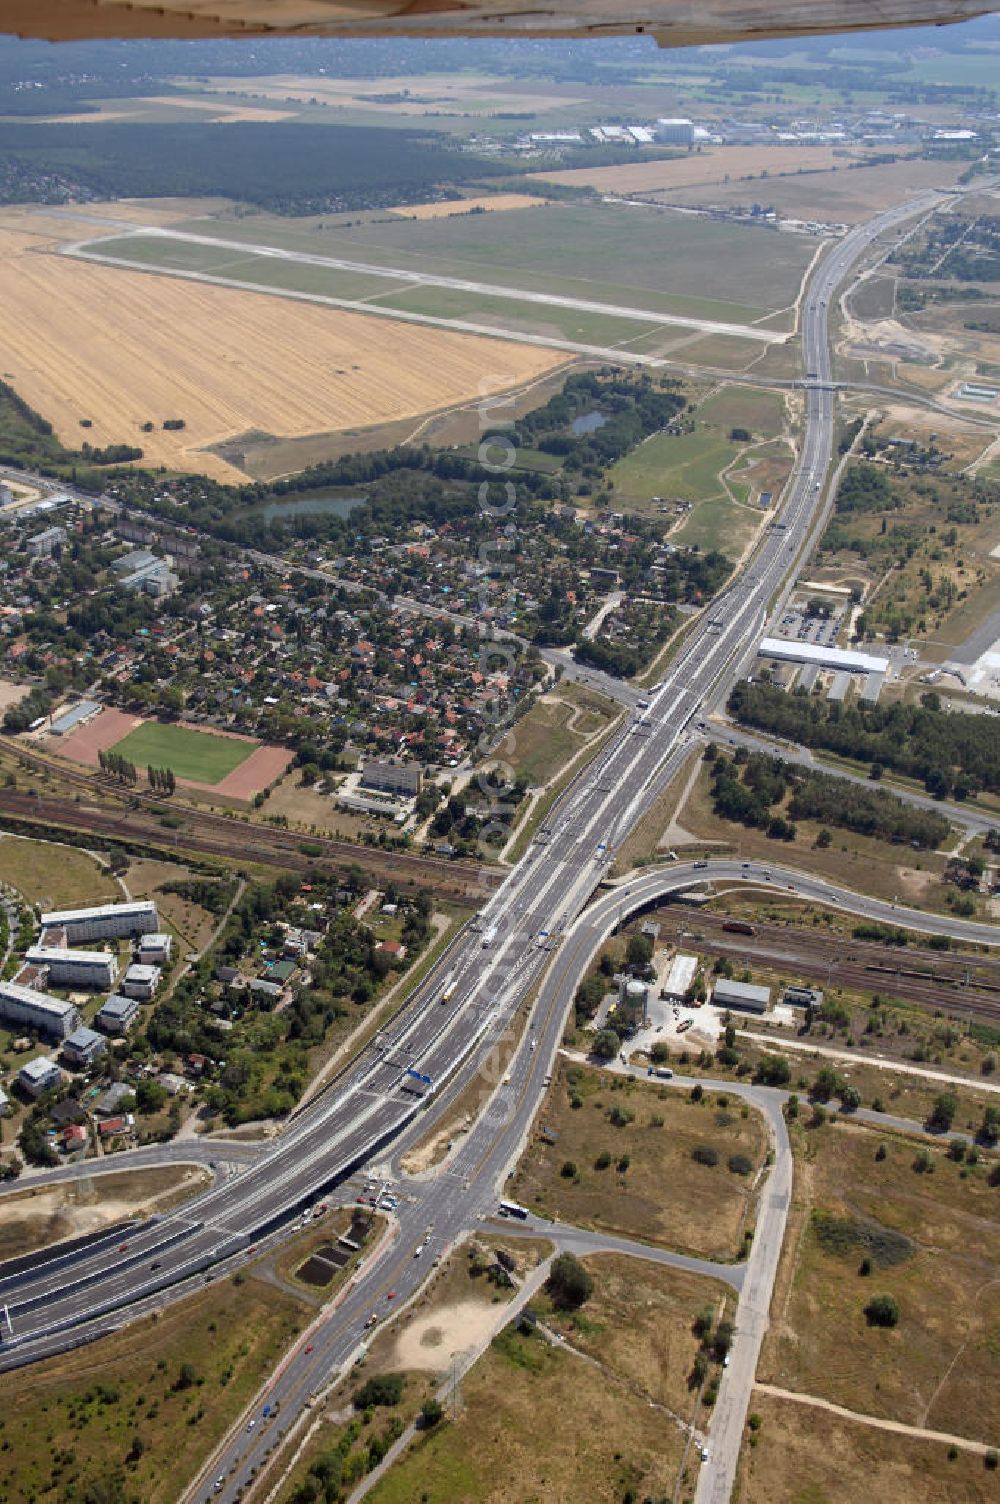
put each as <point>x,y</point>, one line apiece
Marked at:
<point>192,923</point>
<point>556,727</point>
<point>54,876</point>
<point>932,1240</point>
<point>34,1218</point>
<point>159,347</point>
<point>640,1321</point>
<point>839,196</point>
<point>176,1382</point>
<point>852,861</point>
<point>663,1196</point>
<point>536,1422</point>
<point>806,1456</point>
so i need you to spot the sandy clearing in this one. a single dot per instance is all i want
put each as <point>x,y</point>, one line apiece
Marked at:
<point>83,1206</point>
<point>11,693</point>
<point>261,768</point>
<point>96,735</point>
<point>430,1342</point>
<point>496,203</point>
<point>698,169</point>
<point>124,347</point>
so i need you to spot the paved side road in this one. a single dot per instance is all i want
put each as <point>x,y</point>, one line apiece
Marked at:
<point>583,1241</point>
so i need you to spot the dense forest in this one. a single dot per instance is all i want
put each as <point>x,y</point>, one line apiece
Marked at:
<point>951,753</point>
<point>301,169</point>
<point>866,488</point>
<point>751,788</point>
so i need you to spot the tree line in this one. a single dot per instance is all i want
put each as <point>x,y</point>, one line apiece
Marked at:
<point>951,753</point>
<point>750,787</point>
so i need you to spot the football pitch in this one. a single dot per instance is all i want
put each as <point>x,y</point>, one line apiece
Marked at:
<point>198,756</point>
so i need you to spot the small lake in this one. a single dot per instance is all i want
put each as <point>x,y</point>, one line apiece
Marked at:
<point>587,422</point>
<point>308,504</point>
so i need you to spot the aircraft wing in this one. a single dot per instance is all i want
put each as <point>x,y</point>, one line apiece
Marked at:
<point>674,23</point>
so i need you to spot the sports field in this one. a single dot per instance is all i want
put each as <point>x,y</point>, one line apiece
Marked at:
<point>198,756</point>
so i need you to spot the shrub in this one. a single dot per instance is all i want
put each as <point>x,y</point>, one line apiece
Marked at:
<point>603,1160</point>
<point>431,1412</point>
<point>380,1389</point>
<point>620,1116</point>
<point>882,1310</point>
<point>704,1154</point>
<point>740,1164</point>
<point>568,1171</point>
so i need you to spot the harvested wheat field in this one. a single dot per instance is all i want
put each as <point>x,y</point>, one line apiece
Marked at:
<point>121,348</point>
<point>700,168</point>
<point>492,203</point>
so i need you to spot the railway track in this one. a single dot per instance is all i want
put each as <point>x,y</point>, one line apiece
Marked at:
<point>138,819</point>
<point>956,982</point>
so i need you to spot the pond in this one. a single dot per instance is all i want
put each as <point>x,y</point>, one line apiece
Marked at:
<point>309,504</point>
<point>587,422</point>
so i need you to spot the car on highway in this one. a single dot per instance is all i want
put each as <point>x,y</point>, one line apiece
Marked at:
<point>308,1347</point>
<point>372,1320</point>
<point>704,1454</point>
<point>390,1295</point>
<point>251,1424</point>
<point>220,1483</point>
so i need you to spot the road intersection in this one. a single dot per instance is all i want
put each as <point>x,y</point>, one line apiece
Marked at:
<point>403,1080</point>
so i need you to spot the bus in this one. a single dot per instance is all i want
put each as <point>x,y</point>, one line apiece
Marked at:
<point>511,1209</point>
<point>489,935</point>
<point>448,990</point>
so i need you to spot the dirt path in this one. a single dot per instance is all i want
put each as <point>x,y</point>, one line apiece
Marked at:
<point>948,1078</point>
<point>964,1443</point>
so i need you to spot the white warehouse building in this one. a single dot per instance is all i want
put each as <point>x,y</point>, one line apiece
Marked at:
<point>683,970</point>
<point>846,660</point>
<point>75,968</point>
<point>108,921</point>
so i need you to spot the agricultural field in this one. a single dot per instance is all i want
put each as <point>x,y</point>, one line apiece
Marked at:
<point>159,348</point>
<point>54,876</point>
<point>448,208</point>
<point>175,1382</point>
<point>708,166</point>
<point>928,1227</point>
<point>842,193</point>
<point>651,1131</point>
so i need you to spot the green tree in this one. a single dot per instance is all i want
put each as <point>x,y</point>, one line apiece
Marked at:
<point>569,1284</point>
<point>606,1045</point>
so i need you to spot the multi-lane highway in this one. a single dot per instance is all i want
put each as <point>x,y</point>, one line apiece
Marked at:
<point>496,963</point>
